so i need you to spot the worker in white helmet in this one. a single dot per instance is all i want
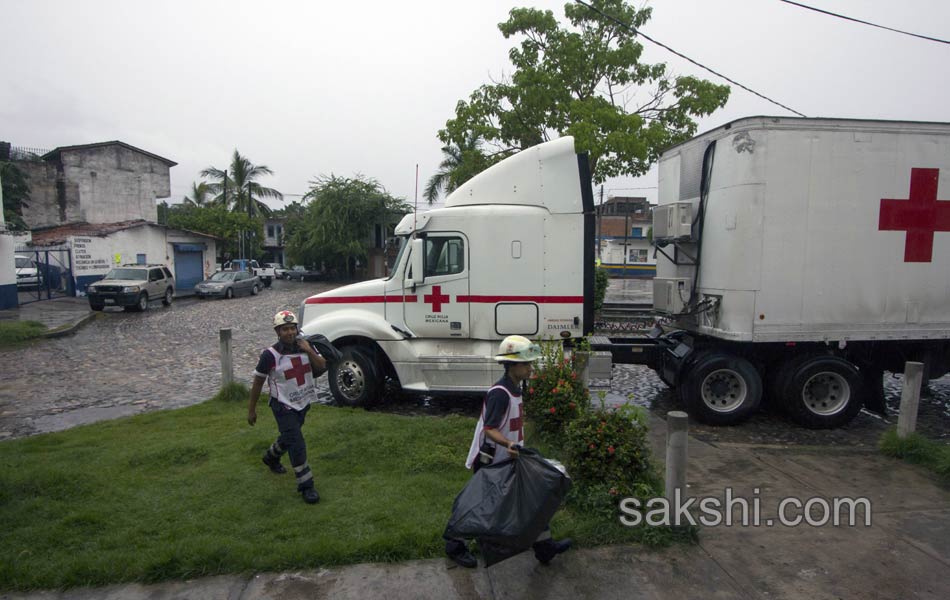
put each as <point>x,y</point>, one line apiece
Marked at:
<point>289,367</point>
<point>500,431</point>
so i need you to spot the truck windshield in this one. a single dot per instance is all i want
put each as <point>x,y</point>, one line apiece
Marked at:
<point>390,249</point>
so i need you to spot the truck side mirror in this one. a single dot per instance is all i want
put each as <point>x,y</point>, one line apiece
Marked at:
<point>416,261</point>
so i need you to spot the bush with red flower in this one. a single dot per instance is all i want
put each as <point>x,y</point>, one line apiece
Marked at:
<point>608,448</point>
<point>555,393</point>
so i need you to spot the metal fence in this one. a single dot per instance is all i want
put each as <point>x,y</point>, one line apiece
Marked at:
<point>44,273</point>
<point>26,153</point>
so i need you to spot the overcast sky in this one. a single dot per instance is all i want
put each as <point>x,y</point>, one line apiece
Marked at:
<point>310,88</point>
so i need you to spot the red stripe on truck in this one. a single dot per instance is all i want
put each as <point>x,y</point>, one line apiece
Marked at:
<point>535,299</point>
<point>359,299</point>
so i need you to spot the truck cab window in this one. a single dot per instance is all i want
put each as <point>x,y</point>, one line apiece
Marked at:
<point>444,256</point>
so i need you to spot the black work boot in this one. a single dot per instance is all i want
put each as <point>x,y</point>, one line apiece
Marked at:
<point>546,550</point>
<point>274,465</point>
<point>458,551</point>
<point>310,495</point>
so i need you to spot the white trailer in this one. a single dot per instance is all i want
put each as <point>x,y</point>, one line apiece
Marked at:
<point>802,256</point>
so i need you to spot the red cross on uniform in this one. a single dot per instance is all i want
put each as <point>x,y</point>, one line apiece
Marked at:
<point>920,215</point>
<point>298,371</point>
<point>436,298</point>
<point>518,422</point>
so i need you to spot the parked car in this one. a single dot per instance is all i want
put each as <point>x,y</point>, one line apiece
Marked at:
<point>27,273</point>
<point>131,287</point>
<point>228,284</point>
<point>279,269</point>
<point>299,273</point>
<point>265,274</point>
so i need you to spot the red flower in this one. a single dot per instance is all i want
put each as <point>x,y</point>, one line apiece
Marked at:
<point>531,390</point>
<point>613,491</point>
<point>610,449</point>
<point>553,410</point>
<point>560,382</point>
<point>556,391</point>
<point>573,375</point>
<point>572,405</point>
<point>592,446</point>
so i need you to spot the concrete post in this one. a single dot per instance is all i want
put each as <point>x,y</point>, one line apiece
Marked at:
<point>910,398</point>
<point>677,433</point>
<point>227,367</point>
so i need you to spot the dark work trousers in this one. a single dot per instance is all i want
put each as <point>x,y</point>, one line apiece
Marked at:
<point>291,441</point>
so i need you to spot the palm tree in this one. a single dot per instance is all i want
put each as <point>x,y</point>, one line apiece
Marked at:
<point>459,164</point>
<point>198,193</point>
<point>237,187</point>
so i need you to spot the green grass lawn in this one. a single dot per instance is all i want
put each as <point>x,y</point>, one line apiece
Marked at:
<point>13,332</point>
<point>183,493</point>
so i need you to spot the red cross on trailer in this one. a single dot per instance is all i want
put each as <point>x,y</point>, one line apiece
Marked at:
<point>920,215</point>
<point>298,371</point>
<point>436,298</point>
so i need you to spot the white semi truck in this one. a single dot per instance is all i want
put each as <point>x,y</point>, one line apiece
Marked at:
<point>797,259</point>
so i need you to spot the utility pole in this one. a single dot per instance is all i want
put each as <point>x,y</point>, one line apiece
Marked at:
<point>600,230</point>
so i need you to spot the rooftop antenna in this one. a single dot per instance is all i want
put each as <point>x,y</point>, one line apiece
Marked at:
<point>415,210</point>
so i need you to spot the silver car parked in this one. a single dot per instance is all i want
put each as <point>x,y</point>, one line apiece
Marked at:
<point>227,284</point>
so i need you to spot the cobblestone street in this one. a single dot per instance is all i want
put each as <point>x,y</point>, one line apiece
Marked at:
<point>127,363</point>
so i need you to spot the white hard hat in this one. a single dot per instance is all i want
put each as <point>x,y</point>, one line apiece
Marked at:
<point>285,317</point>
<point>516,348</point>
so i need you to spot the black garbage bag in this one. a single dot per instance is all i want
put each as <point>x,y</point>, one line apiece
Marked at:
<point>326,349</point>
<point>506,506</point>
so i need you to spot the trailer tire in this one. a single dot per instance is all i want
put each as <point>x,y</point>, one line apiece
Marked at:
<point>354,379</point>
<point>823,392</point>
<point>722,389</point>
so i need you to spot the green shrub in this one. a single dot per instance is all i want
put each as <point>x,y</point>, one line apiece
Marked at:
<point>555,393</point>
<point>609,448</point>
<point>601,281</point>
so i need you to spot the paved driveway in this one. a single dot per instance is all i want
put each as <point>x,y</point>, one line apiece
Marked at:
<point>126,363</point>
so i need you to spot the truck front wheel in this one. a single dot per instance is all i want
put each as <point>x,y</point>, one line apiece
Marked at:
<point>823,392</point>
<point>354,379</point>
<point>722,389</point>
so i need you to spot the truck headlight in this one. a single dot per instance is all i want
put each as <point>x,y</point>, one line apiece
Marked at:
<point>130,288</point>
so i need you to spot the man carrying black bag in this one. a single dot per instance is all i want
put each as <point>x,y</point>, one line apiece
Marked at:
<point>498,436</point>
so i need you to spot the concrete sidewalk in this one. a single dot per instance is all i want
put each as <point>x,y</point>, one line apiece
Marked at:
<point>905,553</point>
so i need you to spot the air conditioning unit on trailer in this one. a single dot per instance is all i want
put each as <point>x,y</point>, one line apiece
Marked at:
<point>670,295</point>
<point>673,221</point>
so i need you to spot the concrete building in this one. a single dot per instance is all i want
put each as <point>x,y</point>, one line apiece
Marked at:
<point>108,182</point>
<point>623,244</point>
<point>274,241</point>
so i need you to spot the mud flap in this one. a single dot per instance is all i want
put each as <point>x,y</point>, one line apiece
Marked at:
<point>873,380</point>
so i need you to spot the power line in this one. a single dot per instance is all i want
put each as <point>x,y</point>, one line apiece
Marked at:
<point>683,56</point>
<point>846,18</point>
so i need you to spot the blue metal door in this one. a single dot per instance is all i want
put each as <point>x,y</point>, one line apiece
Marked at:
<point>188,271</point>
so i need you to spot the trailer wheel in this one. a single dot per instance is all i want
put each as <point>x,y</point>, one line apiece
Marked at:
<point>823,392</point>
<point>722,389</point>
<point>354,379</point>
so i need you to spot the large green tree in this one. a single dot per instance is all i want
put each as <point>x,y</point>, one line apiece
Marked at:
<point>16,192</point>
<point>237,187</point>
<point>336,226</point>
<point>584,78</point>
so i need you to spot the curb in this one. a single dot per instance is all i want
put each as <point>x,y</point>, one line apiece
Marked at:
<point>70,329</point>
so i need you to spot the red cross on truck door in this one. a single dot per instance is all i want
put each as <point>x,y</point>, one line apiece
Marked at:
<point>920,215</point>
<point>438,313</point>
